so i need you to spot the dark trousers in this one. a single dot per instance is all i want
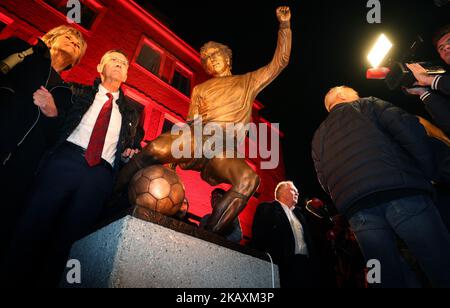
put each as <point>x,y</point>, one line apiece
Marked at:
<point>416,221</point>
<point>16,178</point>
<point>443,205</point>
<point>65,204</point>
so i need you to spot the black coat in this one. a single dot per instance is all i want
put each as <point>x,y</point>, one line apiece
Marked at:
<point>25,133</point>
<point>371,146</point>
<point>272,232</point>
<point>438,104</point>
<point>131,133</point>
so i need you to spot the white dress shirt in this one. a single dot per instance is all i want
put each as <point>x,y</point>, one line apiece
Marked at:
<point>82,134</point>
<point>297,229</point>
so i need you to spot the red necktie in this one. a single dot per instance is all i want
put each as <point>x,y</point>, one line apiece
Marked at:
<point>97,142</point>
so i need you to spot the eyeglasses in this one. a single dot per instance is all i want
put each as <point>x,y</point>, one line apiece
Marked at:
<point>117,60</point>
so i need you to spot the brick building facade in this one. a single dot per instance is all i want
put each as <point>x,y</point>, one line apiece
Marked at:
<point>163,71</point>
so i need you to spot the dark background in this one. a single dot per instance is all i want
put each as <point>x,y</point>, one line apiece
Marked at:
<point>331,40</point>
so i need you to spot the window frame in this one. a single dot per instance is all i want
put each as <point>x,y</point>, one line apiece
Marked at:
<point>94,5</point>
<point>186,72</point>
<point>170,118</point>
<point>147,41</point>
<point>5,19</point>
<point>166,59</point>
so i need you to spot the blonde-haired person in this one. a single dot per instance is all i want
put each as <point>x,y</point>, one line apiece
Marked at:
<point>101,133</point>
<point>53,41</point>
<point>33,103</point>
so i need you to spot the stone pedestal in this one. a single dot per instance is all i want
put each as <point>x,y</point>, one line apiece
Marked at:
<point>132,253</point>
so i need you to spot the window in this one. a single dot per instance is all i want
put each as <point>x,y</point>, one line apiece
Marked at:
<point>181,83</point>
<point>150,59</point>
<point>2,26</point>
<point>167,126</point>
<point>182,78</point>
<point>88,14</point>
<point>5,21</point>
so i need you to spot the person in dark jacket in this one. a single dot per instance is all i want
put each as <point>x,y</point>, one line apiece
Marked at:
<point>101,130</point>
<point>280,229</point>
<point>434,91</point>
<point>376,162</point>
<point>441,146</point>
<point>33,103</point>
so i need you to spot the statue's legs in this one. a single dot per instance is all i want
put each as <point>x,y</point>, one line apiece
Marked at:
<point>244,183</point>
<point>159,151</point>
<point>234,171</point>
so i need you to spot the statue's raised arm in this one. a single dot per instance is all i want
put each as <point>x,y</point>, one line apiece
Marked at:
<point>265,75</point>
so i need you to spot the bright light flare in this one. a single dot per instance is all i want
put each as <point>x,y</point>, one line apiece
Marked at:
<point>380,51</point>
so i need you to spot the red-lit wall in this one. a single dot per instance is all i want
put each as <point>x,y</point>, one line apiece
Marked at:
<point>121,24</point>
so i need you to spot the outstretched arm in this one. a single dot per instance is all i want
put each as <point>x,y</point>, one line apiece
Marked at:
<point>265,75</point>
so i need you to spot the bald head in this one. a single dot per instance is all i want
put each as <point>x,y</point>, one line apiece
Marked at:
<point>340,95</point>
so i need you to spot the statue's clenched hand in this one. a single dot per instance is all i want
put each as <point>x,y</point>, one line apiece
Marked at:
<point>284,14</point>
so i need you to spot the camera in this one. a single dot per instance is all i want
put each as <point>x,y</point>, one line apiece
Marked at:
<point>400,76</point>
<point>441,3</point>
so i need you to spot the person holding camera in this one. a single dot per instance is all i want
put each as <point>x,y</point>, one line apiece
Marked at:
<point>435,90</point>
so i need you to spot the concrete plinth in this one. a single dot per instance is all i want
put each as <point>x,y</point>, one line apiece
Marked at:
<point>133,253</point>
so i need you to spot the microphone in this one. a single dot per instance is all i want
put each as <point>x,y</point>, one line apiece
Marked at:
<point>317,208</point>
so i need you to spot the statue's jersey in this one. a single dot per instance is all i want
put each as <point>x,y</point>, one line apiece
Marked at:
<point>230,99</point>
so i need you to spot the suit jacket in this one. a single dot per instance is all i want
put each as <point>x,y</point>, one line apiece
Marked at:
<point>131,132</point>
<point>272,232</point>
<point>437,103</point>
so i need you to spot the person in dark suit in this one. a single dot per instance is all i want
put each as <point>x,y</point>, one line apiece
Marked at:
<point>280,229</point>
<point>100,134</point>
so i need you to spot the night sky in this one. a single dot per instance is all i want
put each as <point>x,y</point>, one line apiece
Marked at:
<point>331,40</point>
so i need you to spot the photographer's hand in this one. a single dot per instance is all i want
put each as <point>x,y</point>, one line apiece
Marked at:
<point>421,74</point>
<point>416,91</point>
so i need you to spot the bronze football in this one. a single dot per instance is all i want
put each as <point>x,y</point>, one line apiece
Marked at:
<point>158,189</point>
